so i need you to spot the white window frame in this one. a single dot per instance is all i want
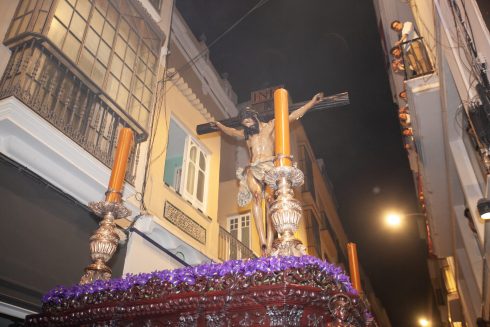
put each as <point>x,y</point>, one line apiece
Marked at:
<point>240,234</point>
<point>192,198</point>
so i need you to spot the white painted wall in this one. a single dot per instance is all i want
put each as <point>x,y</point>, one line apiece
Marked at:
<point>143,256</point>
<point>28,139</point>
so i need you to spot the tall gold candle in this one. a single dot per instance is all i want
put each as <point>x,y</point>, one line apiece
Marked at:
<point>354,266</point>
<point>281,116</point>
<point>124,144</point>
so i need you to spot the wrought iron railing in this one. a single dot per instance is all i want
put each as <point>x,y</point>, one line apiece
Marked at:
<point>229,248</point>
<point>46,81</point>
<point>416,60</point>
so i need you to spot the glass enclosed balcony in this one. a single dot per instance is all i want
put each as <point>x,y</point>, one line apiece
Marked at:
<point>88,67</point>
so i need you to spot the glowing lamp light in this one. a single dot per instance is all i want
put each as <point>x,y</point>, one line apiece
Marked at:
<point>424,322</point>
<point>393,220</point>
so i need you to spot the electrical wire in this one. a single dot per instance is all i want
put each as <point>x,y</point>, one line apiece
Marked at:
<point>437,42</point>
<point>162,90</point>
<point>188,64</point>
<point>469,45</point>
<point>205,51</point>
<point>157,108</point>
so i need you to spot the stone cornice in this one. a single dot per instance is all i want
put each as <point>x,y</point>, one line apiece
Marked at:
<point>221,90</point>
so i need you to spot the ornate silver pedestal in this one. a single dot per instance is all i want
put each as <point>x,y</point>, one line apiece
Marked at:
<point>285,210</point>
<point>104,241</point>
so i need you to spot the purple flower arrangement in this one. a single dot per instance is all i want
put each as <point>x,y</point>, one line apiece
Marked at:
<point>187,276</point>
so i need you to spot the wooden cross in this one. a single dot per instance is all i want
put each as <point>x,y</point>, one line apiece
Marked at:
<point>332,101</point>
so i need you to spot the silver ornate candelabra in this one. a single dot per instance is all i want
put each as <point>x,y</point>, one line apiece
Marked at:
<point>285,210</point>
<point>104,241</point>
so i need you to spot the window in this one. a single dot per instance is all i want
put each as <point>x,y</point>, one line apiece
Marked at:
<point>239,228</point>
<point>112,45</point>
<point>109,41</point>
<point>186,166</point>
<point>23,17</point>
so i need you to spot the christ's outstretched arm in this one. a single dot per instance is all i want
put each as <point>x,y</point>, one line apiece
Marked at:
<point>297,114</point>
<point>228,130</point>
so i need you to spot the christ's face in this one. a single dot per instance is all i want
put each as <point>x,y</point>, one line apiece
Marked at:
<point>251,127</point>
<point>248,122</point>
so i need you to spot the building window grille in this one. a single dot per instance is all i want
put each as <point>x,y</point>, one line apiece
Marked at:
<point>109,41</point>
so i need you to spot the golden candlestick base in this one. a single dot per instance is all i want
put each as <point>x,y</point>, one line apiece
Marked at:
<point>104,241</point>
<point>285,210</point>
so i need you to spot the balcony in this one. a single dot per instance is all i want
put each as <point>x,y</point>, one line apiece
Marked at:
<point>46,81</point>
<point>229,248</point>
<point>415,59</point>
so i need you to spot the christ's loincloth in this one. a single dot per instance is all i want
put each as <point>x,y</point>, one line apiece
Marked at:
<point>258,170</point>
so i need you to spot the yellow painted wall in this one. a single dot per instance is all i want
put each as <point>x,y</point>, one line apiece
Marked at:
<point>228,207</point>
<point>179,107</point>
<point>324,199</point>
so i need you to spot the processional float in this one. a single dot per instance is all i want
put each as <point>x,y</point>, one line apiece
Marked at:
<point>287,288</point>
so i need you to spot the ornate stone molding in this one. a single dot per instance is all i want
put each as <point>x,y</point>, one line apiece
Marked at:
<point>185,89</point>
<point>184,222</point>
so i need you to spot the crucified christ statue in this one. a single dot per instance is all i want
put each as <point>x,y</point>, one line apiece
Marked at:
<point>259,137</point>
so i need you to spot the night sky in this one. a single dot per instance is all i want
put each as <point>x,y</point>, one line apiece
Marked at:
<point>334,46</point>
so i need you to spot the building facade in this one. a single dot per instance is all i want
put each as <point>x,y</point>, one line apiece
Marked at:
<point>181,179</point>
<point>443,120</point>
<point>73,74</point>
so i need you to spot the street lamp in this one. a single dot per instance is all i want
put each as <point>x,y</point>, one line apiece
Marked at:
<point>393,220</point>
<point>396,220</point>
<point>424,322</point>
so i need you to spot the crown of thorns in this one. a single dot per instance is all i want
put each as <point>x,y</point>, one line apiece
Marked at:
<point>248,113</point>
